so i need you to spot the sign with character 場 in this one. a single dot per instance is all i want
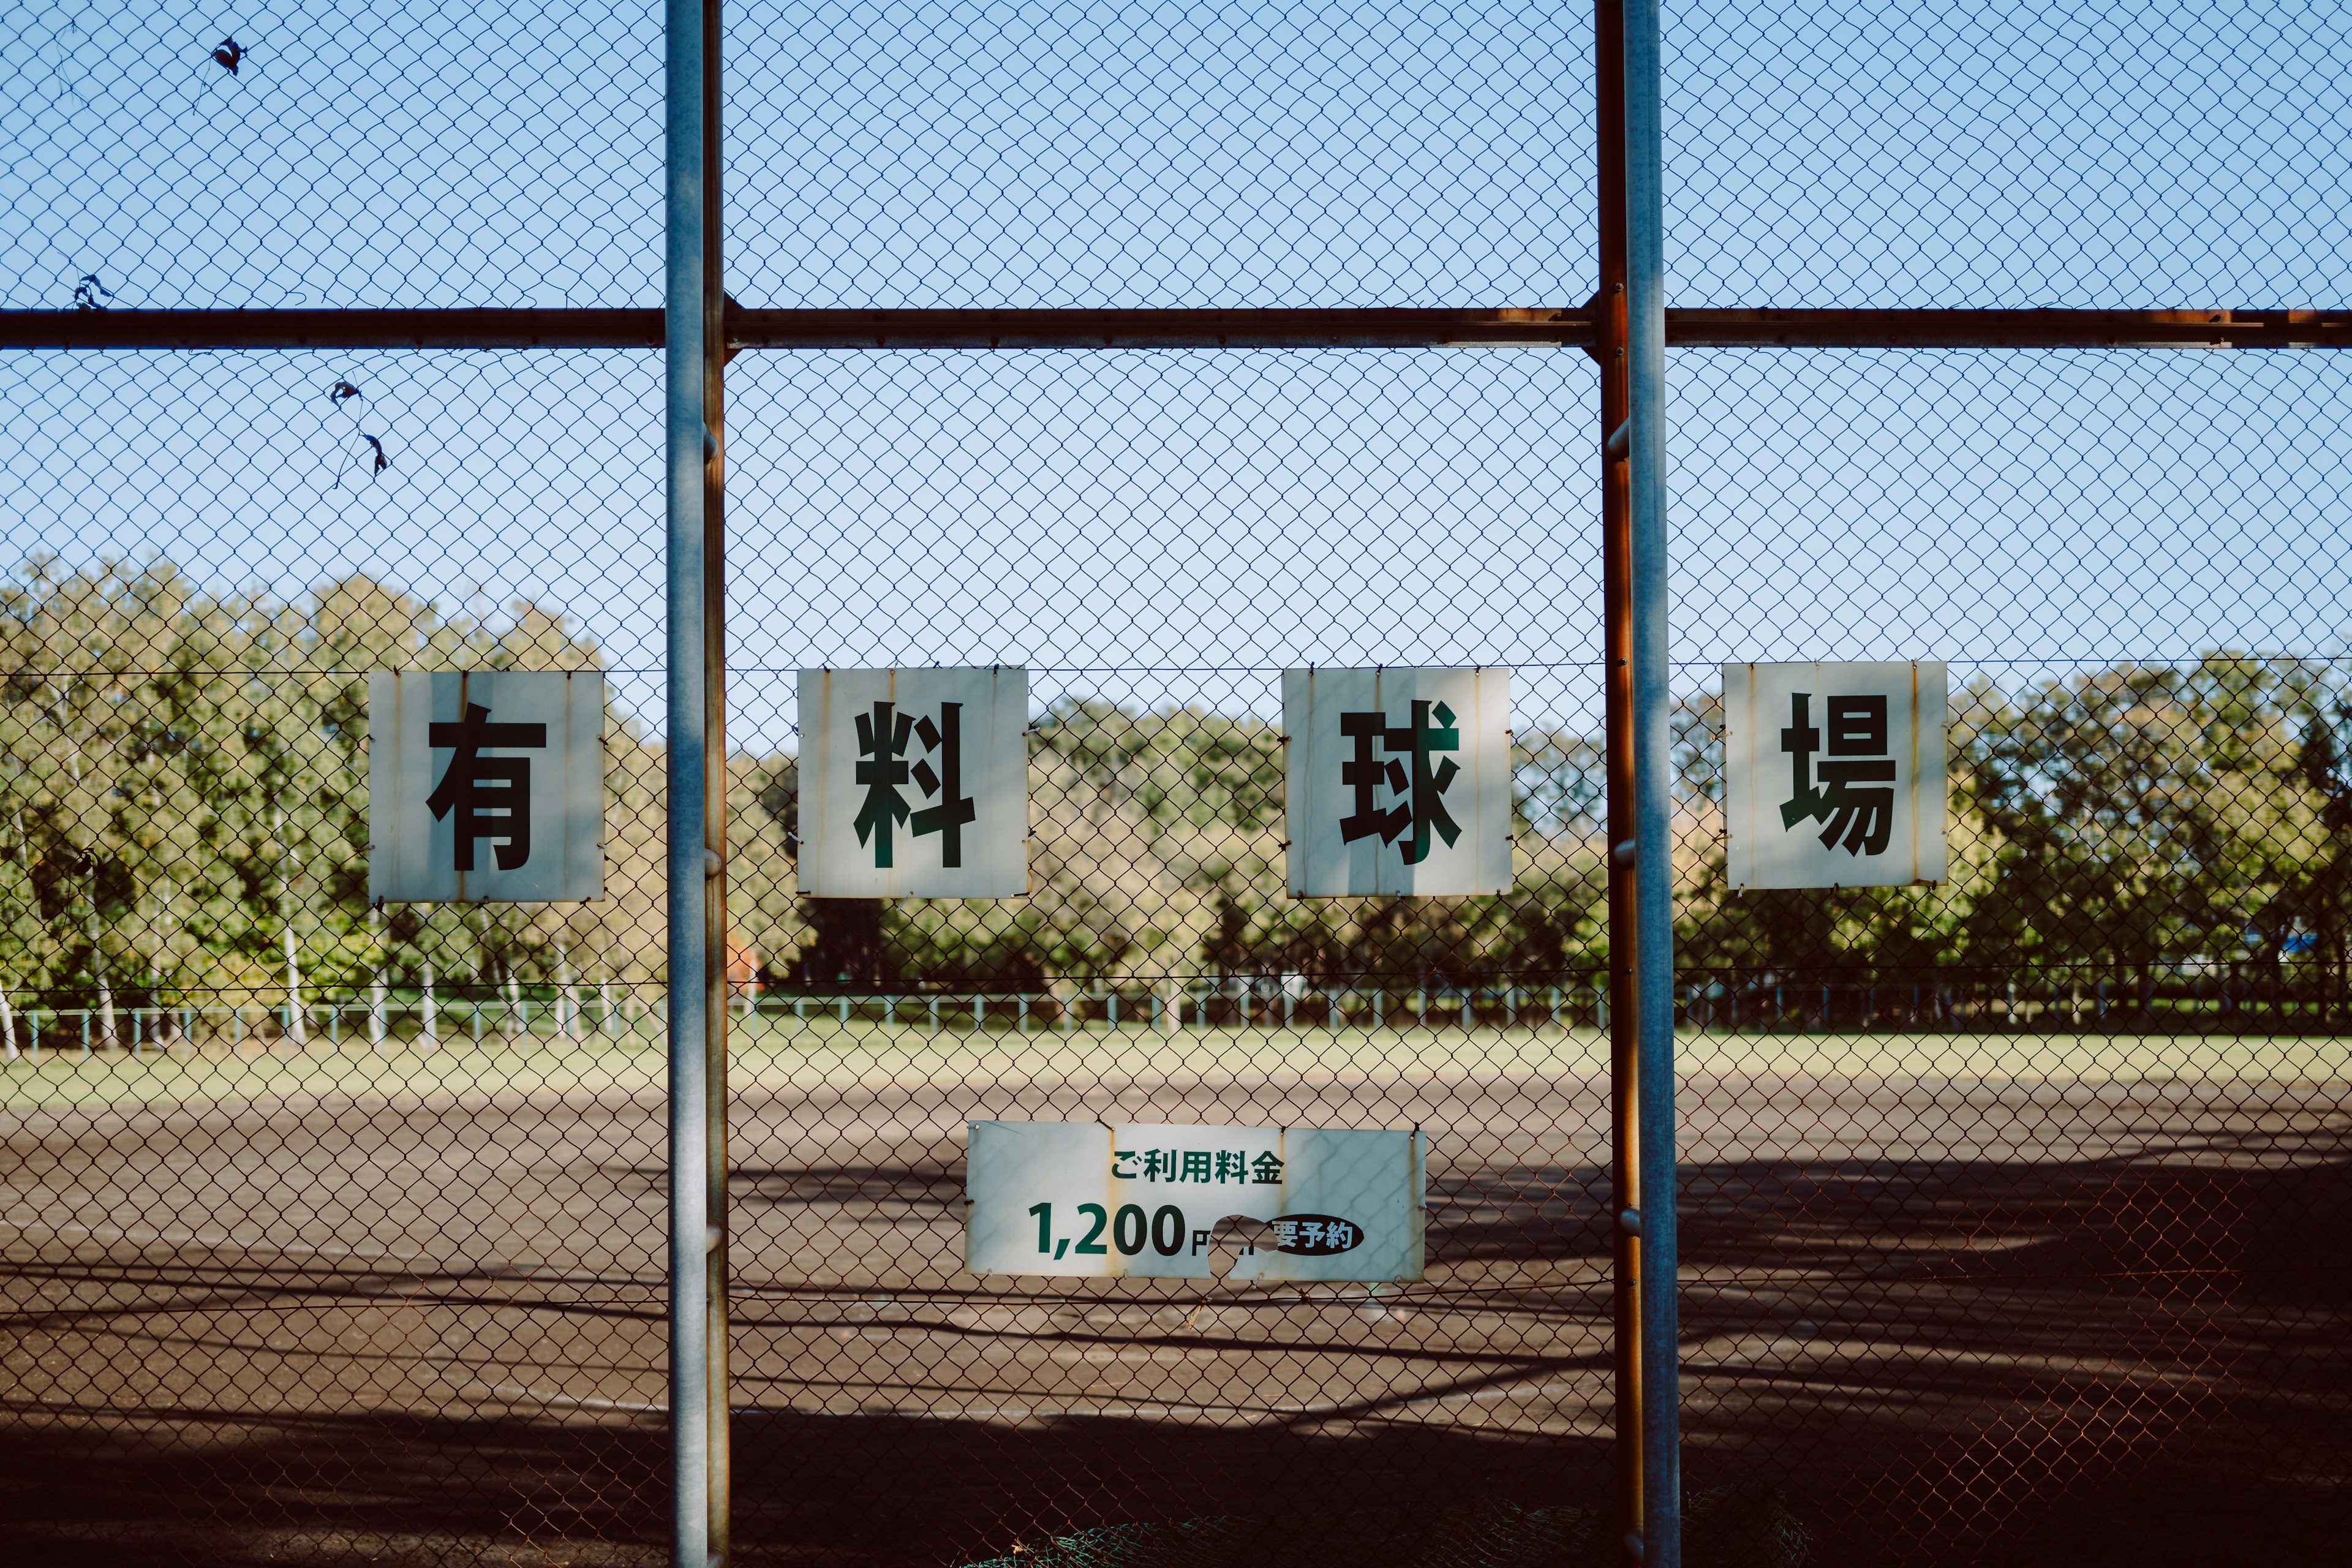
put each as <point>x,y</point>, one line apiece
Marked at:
<point>486,785</point>
<point>1087,1199</point>
<point>915,783</point>
<point>1833,775</point>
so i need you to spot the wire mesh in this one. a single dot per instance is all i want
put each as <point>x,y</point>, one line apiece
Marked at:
<point>1971,1174</point>
<point>377,155</point>
<point>1079,154</point>
<point>1983,1184</point>
<point>2151,153</point>
<point>1375,508</point>
<point>334,1233</point>
<point>2013,1208</point>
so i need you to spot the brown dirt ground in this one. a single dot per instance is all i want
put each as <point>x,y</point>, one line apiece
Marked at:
<point>1960,1322</point>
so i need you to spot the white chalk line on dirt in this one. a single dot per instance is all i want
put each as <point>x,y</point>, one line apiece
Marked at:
<point>579,1401</point>
<point>442,1260</point>
<point>1521,1389</point>
<point>447,1260</point>
<point>198,1238</point>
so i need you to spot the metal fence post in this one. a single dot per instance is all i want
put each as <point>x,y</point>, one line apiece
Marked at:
<point>1644,441</point>
<point>1613,999</point>
<point>718,1387</point>
<point>694,342</point>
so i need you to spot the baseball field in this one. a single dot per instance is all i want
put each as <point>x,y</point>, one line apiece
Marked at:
<point>359,1307</point>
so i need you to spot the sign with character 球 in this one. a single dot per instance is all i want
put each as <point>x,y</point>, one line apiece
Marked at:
<point>1398,781</point>
<point>1087,1199</point>
<point>486,785</point>
<point>915,783</point>
<point>1833,775</point>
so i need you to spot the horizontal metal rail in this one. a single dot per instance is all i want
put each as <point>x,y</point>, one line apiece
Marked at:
<point>1375,327</point>
<point>1369,327</point>
<point>562,329</point>
<point>2009,329</point>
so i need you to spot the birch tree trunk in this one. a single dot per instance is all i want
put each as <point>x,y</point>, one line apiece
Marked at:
<point>566,1010</point>
<point>612,1026</point>
<point>167,912</point>
<point>98,967</point>
<point>24,859</point>
<point>297,1016</point>
<point>375,988</point>
<point>431,1032</point>
<point>7,1026</point>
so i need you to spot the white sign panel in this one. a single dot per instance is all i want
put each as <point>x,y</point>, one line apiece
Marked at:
<point>486,785</point>
<point>915,783</point>
<point>1090,1200</point>
<point>1833,775</point>
<point>1399,781</point>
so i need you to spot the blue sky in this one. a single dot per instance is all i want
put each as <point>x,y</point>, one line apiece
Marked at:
<point>1181,526</point>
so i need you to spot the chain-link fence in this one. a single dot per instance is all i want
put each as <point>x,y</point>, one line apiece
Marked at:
<point>2010,1207</point>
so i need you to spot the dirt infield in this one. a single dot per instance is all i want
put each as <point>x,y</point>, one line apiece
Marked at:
<point>410,1310</point>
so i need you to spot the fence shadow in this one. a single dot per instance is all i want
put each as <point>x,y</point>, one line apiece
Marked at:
<point>2137,1359</point>
<point>2144,1357</point>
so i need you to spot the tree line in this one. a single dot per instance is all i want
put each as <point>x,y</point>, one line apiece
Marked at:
<point>183,819</point>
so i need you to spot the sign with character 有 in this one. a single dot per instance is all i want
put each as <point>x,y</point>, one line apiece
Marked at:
<point>1833,775</point>
<point>1398,781</point>
<point>486,785</point>
<point>915,783</point>
<point>1089,1200</point>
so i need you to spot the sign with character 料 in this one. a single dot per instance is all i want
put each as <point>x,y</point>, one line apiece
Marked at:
<point>915,783</point>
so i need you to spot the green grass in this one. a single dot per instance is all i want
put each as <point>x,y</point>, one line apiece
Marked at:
<point>2026,1055</point>
<point>215,1075</point>
<point>777,1053</point>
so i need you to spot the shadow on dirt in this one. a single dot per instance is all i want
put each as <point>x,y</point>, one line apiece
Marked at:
<point>2136,1362</point>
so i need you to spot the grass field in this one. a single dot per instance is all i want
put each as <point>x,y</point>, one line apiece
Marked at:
<point>772,1053</point>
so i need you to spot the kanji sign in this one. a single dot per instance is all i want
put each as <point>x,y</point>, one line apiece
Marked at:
<point>1089,1199</point>
<point>1833,775</point>
<point>486,785</point>
<point>1399,781</point>
<point>915,783</point>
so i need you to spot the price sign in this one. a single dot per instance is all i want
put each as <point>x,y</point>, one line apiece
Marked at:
<point>1089,1200</point>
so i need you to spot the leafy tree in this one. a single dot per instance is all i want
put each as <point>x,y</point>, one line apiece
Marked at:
<point>182,798</point>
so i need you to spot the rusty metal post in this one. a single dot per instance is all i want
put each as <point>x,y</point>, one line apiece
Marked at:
<point>1608,312</point>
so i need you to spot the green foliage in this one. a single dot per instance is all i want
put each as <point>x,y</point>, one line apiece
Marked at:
<point>183,792</point>
<point>183,813</point>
